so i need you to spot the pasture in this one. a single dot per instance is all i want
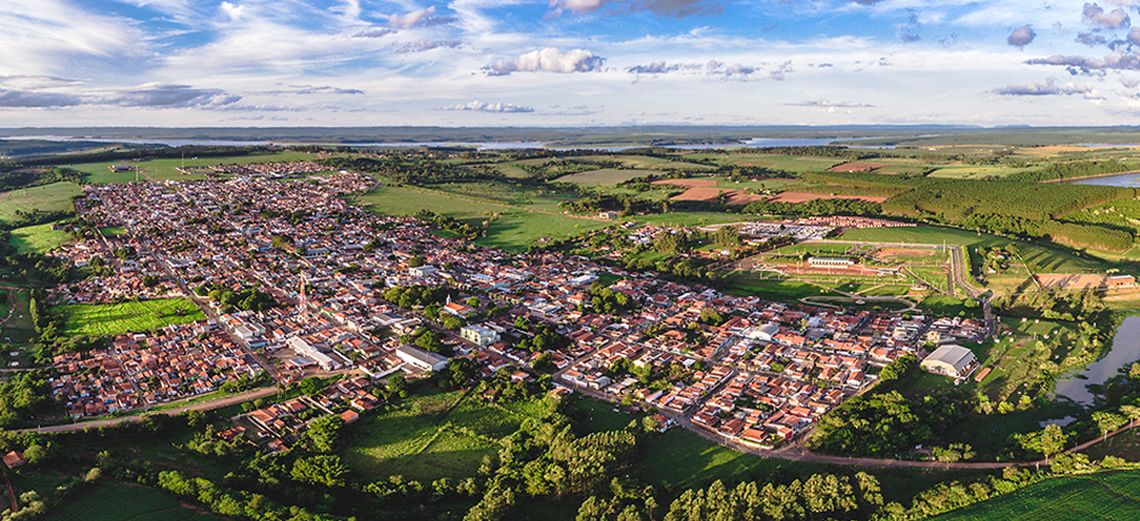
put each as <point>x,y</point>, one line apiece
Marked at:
<point>48,198</point>
<point>786,163</point>
<point>118,502</point>
<point>430,436</point>
<point>39,238</point>
<point>605,176</point>
<point>1106,496</point>
<point>115,319</point>
<point>510,228</point>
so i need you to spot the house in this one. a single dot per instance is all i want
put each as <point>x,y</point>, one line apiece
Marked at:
<point>950,360</point>
<point>832,262</point>
<point>480,335</point>
<point>15,459</point>
<point>457,309</point>
<point>422,360</point>
<point>349,416</point>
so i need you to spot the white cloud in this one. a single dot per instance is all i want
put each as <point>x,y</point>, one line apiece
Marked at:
<point>549,59</point>
<point>480,106</point>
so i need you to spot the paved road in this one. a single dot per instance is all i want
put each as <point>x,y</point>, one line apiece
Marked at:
<point>204,406</point>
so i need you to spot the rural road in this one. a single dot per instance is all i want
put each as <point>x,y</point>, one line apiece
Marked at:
<point>204,406</point>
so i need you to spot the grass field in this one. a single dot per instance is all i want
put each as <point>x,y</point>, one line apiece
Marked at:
<point>416,442</point>
<point>1103,496</point>
<point>115,319</point>
<point>113,231</point>
<point>53,197</point>
<point>165,169</point>
<point>690,218</point>
<point>740,283</point>
<point>39,238</point>
<point>121,502</point>
<point>511,228</point>
<point>605,176</point>
<point>773,161</point>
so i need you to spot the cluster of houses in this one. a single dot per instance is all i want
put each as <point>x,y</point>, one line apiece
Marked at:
<point>742,364</point>
<point>145,369</point>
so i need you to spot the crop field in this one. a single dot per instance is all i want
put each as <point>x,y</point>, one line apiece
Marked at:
<point>115,319</point>
<point>415,442</point>
<point>977,171</point>
<point>605,176</point>
<point>166,169</point>
<point>511,228</point>
<point>1104,496</point>
<point>39,238</point>
<point>118,502</point>
<point>49,198</point>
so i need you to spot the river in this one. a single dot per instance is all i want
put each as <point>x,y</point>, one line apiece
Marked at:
<point>1131,180</point>
<point>1124,350</point>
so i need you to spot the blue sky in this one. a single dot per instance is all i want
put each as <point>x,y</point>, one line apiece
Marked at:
<point>568,62</point>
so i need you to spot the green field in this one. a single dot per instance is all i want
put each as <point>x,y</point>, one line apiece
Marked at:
<point>1103,496</point>
<point>605,176</point>
<point>165,169</point>
<point>39,238</point>
<point>122,502</point>
<point>1045,259</point>
<point>741,283</point>
<point>773,161</point>
<point>113,231</point>
<point>418,442</point>
<point>115,319</point>
<point>48,198</point>
<point>510,228</point>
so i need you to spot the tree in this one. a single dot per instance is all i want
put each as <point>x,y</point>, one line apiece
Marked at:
<point>319,470</point>
<point>324,432</point>
<point>473,302</point>
<point>1108,422</point>
<point>1132,412</point>
<point>1047,441</point>
<point>311,385</point>
<point>397,385</point>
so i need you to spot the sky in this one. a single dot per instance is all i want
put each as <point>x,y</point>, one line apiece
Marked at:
<point>470,63</point>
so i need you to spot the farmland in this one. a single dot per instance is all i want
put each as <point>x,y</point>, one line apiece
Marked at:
<point>117,502</point>
<point>1107,496</point>
<point>605,176</point>
<point>55,197</point>
<point>40,238</point>
<point>115,319</point>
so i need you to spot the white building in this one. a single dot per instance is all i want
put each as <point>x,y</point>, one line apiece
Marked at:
<point>422,360</point>
<point>480,335</point>
<point>304,348</point>
<point>950,360</point>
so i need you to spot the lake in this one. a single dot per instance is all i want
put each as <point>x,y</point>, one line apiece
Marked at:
<point>1124,350</point>
<point>1131,180</point>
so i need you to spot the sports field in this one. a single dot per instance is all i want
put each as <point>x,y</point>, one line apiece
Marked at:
<point>120,502</point>
<point>1103,496</point>
<point>39,238</point>
<point>48,198</point>
<point>115,319</point>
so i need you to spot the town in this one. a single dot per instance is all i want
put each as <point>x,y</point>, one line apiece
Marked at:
<point>296,281</point>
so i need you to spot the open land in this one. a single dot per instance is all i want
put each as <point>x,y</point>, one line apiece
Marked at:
<point>120,502</point>
<point>115,319</point>
<point>40,238</point>
<point>55,197</point>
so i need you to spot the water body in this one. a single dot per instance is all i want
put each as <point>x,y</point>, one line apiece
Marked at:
<point>1124,350</point>
<point>1130,179</point>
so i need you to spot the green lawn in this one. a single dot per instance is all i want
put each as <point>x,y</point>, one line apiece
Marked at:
<point>122,502</point>
<point>113,231</point>
<point>48,198</point>
<point>745,284</point>
<point>115,319</point>
<point>511,228</point>
<point>39,238</point>
<point>166,169</point>
<point>1103,496</point>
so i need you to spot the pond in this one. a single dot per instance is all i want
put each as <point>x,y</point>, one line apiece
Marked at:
<point>1124,350</point>
<point>1131,179</point>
